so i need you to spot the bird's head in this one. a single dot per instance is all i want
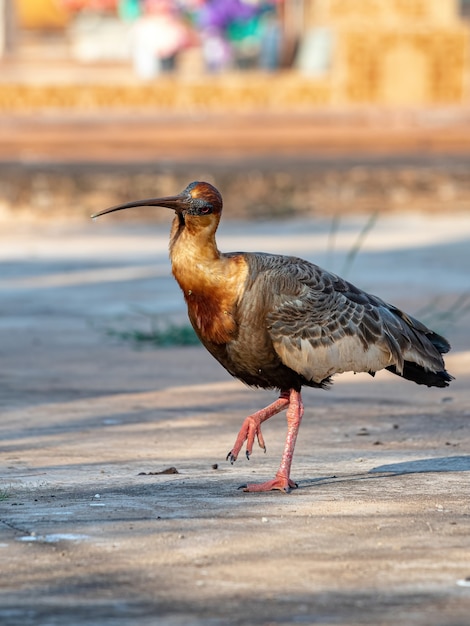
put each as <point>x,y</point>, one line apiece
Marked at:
<point>197,201</point>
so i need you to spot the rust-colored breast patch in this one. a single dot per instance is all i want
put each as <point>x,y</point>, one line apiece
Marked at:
<point>212,294</point>
<point>213,321</point>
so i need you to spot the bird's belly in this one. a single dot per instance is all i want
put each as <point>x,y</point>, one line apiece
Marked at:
<point>255,362</point>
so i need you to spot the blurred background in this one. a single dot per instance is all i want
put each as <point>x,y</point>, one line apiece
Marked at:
<point>337,131</point>
<point>347,120</point>
<point>334,104</point>
<point>355,51</point>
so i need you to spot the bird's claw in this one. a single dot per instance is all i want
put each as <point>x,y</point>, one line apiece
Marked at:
<point>248,452</point>
<point>231,457</point>
<point>250,429</point>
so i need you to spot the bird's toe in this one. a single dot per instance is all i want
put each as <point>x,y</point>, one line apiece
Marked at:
<point>279,483</point>
<point>231,457</point>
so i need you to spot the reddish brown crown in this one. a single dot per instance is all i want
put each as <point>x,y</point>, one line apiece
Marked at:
<point>208,193</point>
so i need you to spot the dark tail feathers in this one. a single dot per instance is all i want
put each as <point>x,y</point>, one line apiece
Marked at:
<point>439,342</point>
<point>417,373</point>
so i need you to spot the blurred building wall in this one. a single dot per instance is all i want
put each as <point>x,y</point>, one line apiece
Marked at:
<point>384,12</point>
<point>407,52</point>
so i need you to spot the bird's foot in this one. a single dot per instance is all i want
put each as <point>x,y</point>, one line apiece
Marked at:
<point>279,483</point>
<point>250,429</point>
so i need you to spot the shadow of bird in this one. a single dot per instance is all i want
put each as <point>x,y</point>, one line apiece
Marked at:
<point>279,322</point>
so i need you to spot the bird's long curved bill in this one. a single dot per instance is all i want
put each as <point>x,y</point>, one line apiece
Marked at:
<point>170,202</point>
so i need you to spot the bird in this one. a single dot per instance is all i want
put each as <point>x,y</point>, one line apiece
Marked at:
<point>281,322</point>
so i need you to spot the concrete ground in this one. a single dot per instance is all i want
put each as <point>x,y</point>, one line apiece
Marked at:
<point>92,533</point>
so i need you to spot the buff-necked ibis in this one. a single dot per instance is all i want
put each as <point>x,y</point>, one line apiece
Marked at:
<point>279,322</point>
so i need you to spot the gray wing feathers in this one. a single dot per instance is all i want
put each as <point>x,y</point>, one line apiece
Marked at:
<point>321,325</point>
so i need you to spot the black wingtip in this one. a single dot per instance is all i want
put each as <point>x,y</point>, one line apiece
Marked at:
<point>439,342</point>
<point>417,373</point>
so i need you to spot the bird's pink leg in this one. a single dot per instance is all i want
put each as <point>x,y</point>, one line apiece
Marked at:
<point>251,427</point>
<point>282,479</point>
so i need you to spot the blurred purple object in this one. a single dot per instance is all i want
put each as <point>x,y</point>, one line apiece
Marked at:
<point>217,14</point>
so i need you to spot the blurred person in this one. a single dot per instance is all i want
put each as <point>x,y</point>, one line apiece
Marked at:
<point>157,37</point>
<point>216,51</point>
<point>244,33</point>
<point>215,18</point>
<point>271,41</point>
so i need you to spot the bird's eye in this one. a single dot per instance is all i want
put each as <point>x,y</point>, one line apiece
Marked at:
<point>198,206</point>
